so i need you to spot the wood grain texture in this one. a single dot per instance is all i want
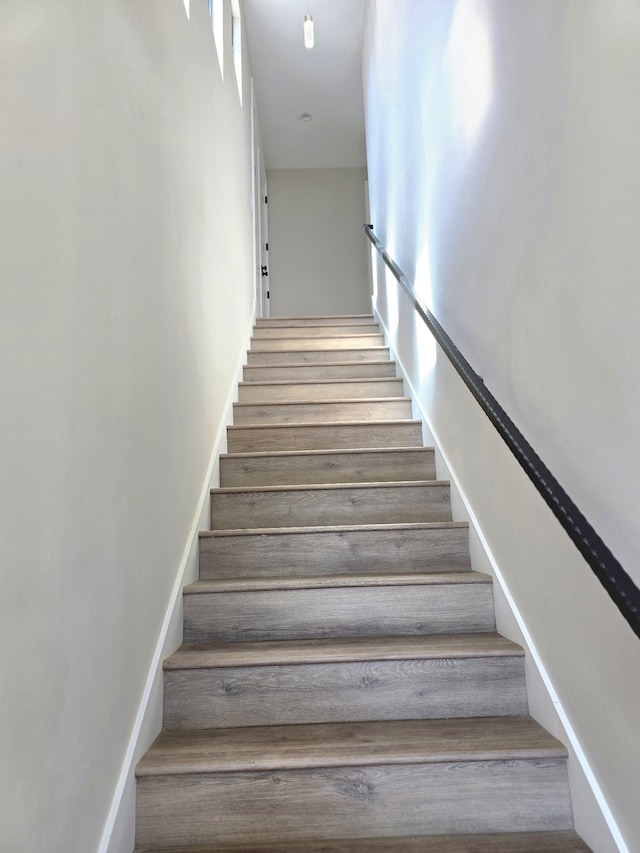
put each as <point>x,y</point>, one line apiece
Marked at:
<point>359,354</point>
<point>340,436</point>
<point>222,750</point>
<point>382,800</point>
<point>338,611</point>
<point>324,389</point>
<point>389,408</point>
<point>511,842</point>
<point>339,466</point>
<point>349,550</point>
<point>346,679</point>
<point>316,331</point>
<point>410,688</point>
<point>332,343</point>
<point>336,503</point>
<point>338,370</point>
<point>343,650</point>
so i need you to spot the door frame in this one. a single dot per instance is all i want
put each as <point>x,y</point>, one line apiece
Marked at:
<point>259,196</point>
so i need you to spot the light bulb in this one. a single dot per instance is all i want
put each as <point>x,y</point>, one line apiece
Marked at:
<point>308,31</point>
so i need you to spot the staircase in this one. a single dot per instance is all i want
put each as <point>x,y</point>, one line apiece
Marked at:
<point>341,686</point>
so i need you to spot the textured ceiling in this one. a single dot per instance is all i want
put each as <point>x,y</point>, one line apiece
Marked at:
<point>325,81</point>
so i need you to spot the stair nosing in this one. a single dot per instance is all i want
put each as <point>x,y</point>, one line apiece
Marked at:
<point>211,586</point>
<point>278,383</point>
<point>329,424</point>
<point>338,401</point>
<point>369,322</point>
<point>338,452</point>
<point>377,334</point>
<point>336,331</point>
<point>341,650</point>
<point>324,745</point>
<point>313,317</point>
<point>331,487</point>
<point>373,347</point>
<point>334,528</point>
<point>305,352</point>
<point>381,361</point>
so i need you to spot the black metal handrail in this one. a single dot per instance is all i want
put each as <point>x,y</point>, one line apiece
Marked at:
<point>609,571</point>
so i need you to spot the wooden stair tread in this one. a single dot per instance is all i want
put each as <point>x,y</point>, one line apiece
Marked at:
<point>511,842</point>
<point>263,748</point>
<point>331,487</point>
<point>344,649</point>
<point>204,587</point>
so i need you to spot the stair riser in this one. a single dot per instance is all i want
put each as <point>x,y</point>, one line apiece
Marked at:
<point>267,359</point>
<point>316,554</point>
<point>327,320</point>
<point>342,692</point>
<point>343,436</point>
<point>341,342</point>
<point>375,801</point>
<point>322,412</point>
<point>296,373</point>
<point>286,614</point>
<point>263,332</point>
<point>376,388</point>
<point>327,468</point>
<point>314,507</point>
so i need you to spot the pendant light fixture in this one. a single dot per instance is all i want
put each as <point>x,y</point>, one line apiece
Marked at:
<point>308,30</point>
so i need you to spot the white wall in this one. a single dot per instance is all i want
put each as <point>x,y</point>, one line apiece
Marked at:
<point>126,298</point>
<point>504,179</point>
<point>317,253</point>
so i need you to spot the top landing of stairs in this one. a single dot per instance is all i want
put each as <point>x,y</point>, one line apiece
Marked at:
<point>324,320</point>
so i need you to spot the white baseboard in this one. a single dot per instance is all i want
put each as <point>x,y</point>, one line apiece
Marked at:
<point>548,707</point>
<point>118,835</point>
